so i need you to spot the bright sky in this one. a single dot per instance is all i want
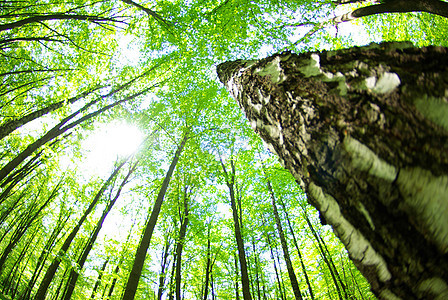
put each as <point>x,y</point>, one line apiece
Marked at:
<point>107,142</point>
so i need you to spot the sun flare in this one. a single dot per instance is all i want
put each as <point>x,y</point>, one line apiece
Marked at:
<point>111,142</point>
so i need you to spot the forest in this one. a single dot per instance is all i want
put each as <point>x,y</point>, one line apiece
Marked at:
<point>128,170</point>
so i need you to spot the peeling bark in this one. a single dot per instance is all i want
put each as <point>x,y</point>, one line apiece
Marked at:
<point>364,131</point>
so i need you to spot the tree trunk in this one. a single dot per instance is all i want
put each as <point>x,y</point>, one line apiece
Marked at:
<point>296,244</point>
<point>180,244</point>
<point>140,255</point>
<point>208,267</point>
<point>99,278</point>
<point>12,125</point>
<point>230,182</point>
<point>51,271</point>
<point>325,256</point>
<point>277,275</point>
<point>74,274</point>
<point>364,131</point>
<point>284,244</point>
<point>164,265</point>
<point>48,247</point>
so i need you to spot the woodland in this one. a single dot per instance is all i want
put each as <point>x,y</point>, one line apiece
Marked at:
<point>127,171</point>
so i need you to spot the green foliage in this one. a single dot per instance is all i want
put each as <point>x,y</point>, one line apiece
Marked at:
<point>163,60</point>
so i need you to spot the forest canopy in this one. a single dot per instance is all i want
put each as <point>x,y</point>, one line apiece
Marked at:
<point>172,214</point>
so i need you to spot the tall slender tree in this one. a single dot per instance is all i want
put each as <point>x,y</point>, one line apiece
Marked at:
<point>74,274</point>
<point>51,271</point>
<point>284,244</point>
<point>230,182</point>
<point>139,260</point>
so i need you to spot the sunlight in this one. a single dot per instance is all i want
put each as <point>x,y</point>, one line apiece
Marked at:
<point>109,142</point>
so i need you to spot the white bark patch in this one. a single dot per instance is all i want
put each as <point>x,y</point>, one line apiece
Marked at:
<point>434,287</point>
<point>337,77</point>
<point>387,83</point>
<point>310,67</point>
<point>426,202</point>
<point>359,248</point>
<point>364,159</point>
<point>366,214</point>
<point>263,99</point>
<point>370,82</point>
<point>435,109</point>
<point>388,295</point>
<point>273,70</point>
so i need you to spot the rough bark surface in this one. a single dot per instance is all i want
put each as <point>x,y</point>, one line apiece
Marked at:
<point>365,133</point>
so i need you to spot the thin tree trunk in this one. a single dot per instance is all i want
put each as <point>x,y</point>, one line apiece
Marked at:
<point>180,244</point>
<point>164,265</point>
<point>8,283</point>
<point>324,255</point>
<point>51,271</point>
<point>237,286</point>
<point>364,132</point>
<point>26,221</point>
<point>99,278</point>
<point>172,284</point>
<point>10,126</point>
<point>48,247</point>
<point>114,281</point>
<point>207,266</point>
<point>277,275</point>
<point>85,253</point>
<point>139,260</point>
<point>62,127</point>
<point>53,17</point>
<point>296,244</point>
<point>230,182</point>
<point>257,268</point>
<point>212,286</point>
<point>284,244</point>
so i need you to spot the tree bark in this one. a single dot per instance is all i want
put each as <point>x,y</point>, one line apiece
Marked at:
<point>436,7</point>
<point>10,126</point>
<point>208,268</point>
<point>364,131</point>
<point>140,255</point>
<point>164,265</point>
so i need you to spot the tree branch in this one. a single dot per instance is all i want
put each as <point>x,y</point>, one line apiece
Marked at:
<point>149,12</point>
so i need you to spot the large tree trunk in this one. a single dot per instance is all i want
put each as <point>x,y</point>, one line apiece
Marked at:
<point>365,133</point>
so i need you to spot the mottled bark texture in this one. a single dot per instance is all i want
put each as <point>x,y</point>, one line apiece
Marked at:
<point>364,131</point>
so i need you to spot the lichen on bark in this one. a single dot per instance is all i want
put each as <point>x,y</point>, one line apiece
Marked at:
<point>363,131</point>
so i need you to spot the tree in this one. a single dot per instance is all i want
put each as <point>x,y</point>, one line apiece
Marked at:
<point>183,217</point>
<point>364,132</point>
<point>74,274</point>
<point>140,255</point>
<point>51,271</point>
<point>284,244</point>
<point>230,182</point>
<point>392,6</point>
